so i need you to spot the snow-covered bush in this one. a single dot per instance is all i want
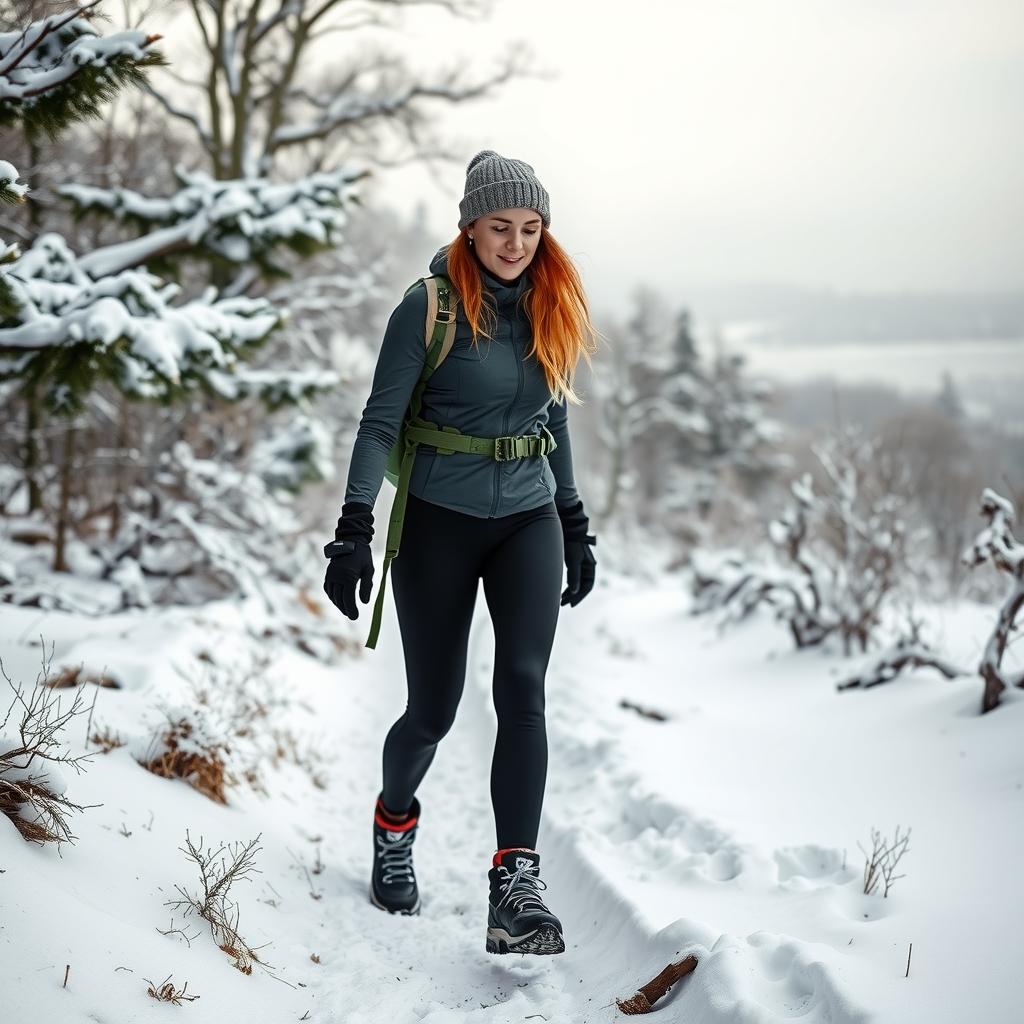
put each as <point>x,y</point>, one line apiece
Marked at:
<point>997,545</point>
<point>843,549</point>
<point>33,787</point>
<point>227,731</point>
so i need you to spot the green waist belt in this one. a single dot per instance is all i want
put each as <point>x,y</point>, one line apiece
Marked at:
<point>447,440</point>
<point>503,449</point>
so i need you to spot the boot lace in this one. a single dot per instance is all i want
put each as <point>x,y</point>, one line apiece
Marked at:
<point>521,888</point>
<point>395,858</point>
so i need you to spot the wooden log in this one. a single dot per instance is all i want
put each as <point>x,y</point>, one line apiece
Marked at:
<point>645,998</point>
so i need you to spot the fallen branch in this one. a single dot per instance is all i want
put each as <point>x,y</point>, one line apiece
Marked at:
<point>890,664</point>
<point>646,997</point>
<point>643,712</point>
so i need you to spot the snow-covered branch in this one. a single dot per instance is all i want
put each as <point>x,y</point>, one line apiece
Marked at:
<point>997,544</point>
<point>11,190</point>
<point>235,222</point>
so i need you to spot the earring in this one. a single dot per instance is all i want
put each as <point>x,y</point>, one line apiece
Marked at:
<point>470,237</point>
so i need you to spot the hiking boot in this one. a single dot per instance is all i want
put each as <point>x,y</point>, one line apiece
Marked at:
<point>517,920</point>
<point>393,883</point>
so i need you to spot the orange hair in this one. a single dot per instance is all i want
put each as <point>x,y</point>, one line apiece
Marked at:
<point>555,304</point>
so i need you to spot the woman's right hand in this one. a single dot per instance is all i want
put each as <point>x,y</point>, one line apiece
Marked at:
<point>351,563</point>
<point>351,560</point>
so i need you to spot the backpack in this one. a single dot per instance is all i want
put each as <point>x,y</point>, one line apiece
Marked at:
<point>439,336</point>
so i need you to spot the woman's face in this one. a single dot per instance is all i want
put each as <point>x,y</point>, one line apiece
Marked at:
<point>506,241</point>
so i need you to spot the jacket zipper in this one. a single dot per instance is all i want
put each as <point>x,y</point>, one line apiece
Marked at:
<point>508,412</point>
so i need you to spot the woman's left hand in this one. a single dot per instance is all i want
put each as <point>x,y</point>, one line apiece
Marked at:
<point>580,562</point>
<point>580,565</point>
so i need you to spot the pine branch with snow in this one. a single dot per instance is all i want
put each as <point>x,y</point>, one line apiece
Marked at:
<point>227,223</point>
<point>61,70</point>
<point>997,545</point>
<point>11,191</point>
<point>75,331</point>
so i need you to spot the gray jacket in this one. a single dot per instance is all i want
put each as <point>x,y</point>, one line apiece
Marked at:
<point>491,389</point>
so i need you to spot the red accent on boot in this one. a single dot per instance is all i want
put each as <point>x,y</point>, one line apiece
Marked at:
<point>382,815</point>
<point>501,853</point>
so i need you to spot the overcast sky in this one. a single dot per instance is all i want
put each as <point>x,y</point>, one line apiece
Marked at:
<point>855,144</point>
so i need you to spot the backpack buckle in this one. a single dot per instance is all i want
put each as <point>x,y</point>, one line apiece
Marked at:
<point>445,316</point>
<point>503,450</point>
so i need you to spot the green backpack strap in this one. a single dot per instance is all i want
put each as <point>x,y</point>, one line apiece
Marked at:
<point>442,300</point>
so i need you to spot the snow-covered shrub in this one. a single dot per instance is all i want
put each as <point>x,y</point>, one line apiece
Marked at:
<point>997,545</point>
<point>33,786</point>
<point>843,549</point>
<point>218,871</point>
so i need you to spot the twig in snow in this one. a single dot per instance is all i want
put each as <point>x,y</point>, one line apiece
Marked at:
<point>645,998</point>
<point>643,712</point>
<point>909,954</point>
<point>167,993</point>
<point>218,870</point>
<point>179,931</point>
<point>880,864</point>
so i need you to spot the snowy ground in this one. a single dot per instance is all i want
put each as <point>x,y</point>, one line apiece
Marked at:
<point>729,830</point>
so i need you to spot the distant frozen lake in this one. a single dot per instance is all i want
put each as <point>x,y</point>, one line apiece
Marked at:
<point>908,365</point>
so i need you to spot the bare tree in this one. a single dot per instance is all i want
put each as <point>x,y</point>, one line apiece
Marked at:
<point>996,544</point>
<point>844,548</point>
<point>275,82</point>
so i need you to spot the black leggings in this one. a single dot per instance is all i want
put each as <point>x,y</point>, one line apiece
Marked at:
<point>444,554</point>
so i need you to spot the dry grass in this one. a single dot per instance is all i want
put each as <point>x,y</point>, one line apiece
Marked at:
<point>204,769</point>
<point>70,676</point>
<point>218,870</point>
<point>106,740</point>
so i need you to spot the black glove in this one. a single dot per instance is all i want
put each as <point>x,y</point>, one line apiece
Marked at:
<point>351,560</point>
<point>580,562</point>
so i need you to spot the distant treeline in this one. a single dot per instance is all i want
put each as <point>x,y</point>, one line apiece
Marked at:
<point>789,313</point>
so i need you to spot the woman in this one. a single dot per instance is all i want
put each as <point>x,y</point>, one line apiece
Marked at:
<point>521,325</point>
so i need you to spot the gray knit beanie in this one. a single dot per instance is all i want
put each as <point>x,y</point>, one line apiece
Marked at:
<point>494,182</point>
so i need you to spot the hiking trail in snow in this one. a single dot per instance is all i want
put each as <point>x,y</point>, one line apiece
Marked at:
<point>728,830</point>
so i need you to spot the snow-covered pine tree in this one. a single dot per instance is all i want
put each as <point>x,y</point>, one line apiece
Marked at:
<point>671,422</point>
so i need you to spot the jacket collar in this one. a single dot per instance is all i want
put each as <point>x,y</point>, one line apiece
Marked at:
<point>504,293</point>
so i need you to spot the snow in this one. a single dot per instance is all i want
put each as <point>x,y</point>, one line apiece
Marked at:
<point>729,830</point>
